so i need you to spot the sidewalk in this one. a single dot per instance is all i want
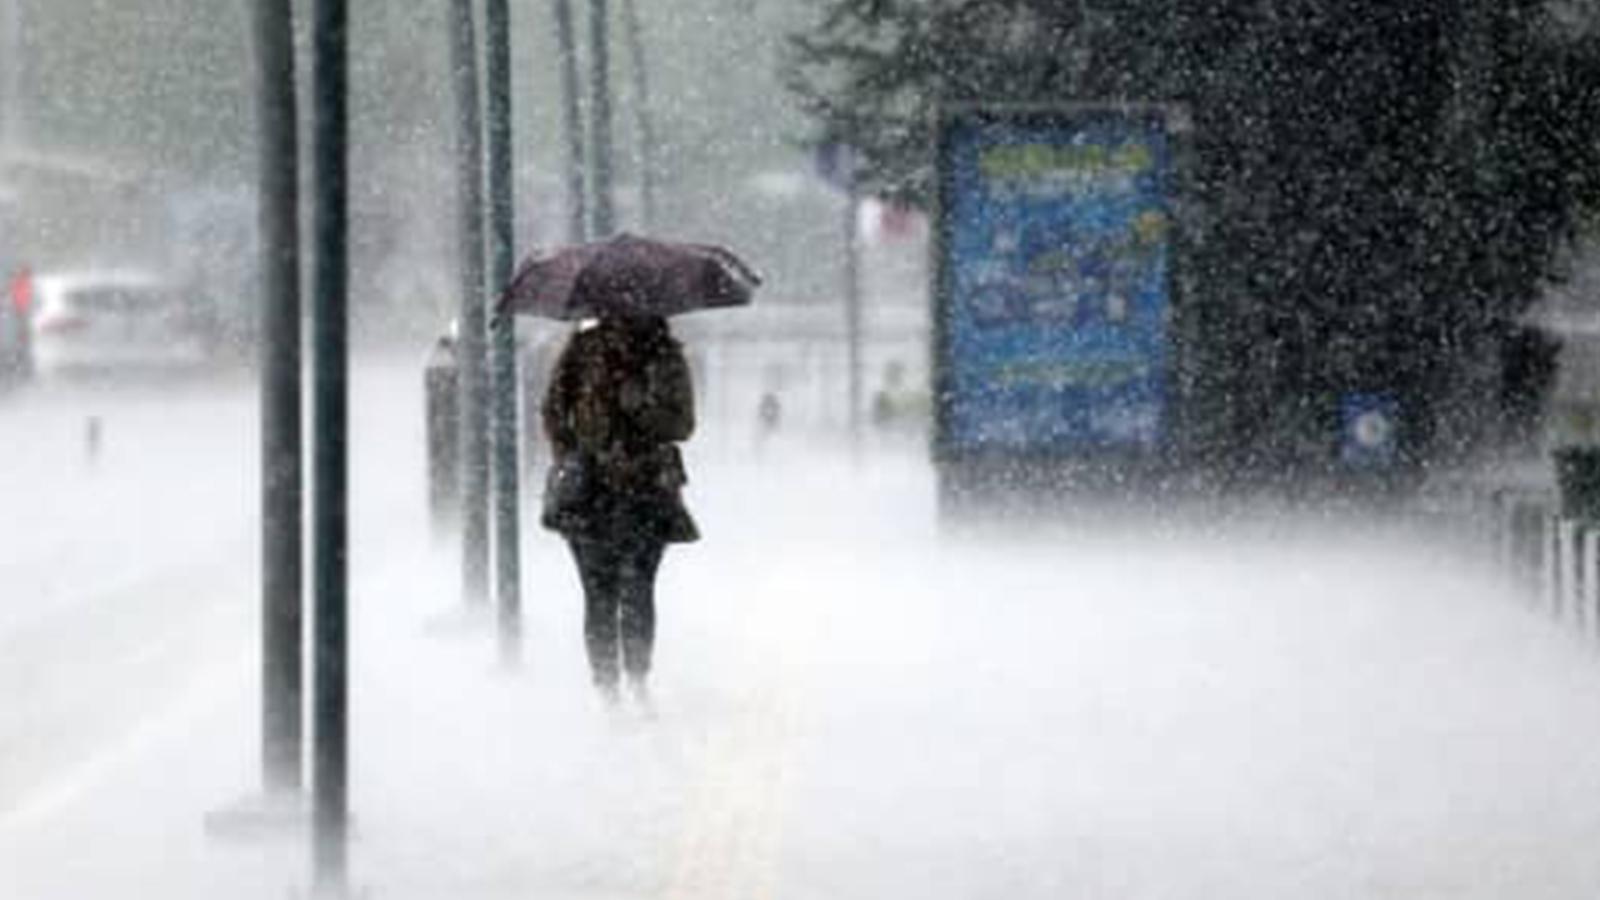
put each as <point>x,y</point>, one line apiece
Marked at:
<point>850,706</point>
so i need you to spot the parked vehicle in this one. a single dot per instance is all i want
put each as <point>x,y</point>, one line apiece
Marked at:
<point>114,320</point>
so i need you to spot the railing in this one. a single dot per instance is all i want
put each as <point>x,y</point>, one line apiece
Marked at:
<point>1551,559</point>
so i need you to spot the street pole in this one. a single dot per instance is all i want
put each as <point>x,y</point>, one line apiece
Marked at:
<point>11,75</point>
<point>572,120</point>
<point>852,303</point>
<point>503,349</point>
<point>643,118</point>
<point>282,465</point>
<point>472,339</point>
<point>600,119</point>
<point>330,513</point>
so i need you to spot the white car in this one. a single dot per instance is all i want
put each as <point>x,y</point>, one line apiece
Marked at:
<point>111,321</point>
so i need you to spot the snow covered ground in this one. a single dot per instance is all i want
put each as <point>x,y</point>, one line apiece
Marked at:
<point>850,703</point>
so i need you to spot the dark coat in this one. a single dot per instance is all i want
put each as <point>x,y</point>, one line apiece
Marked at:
<point>620,399</point>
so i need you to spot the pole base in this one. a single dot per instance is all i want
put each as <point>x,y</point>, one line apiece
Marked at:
<point>270,816</point>
<point>325,892</point>
<point>463,621</point>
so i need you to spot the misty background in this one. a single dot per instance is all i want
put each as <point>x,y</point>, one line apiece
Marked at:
<point>123,116</point>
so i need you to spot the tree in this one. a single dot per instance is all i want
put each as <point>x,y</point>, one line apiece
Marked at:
<point>1378,190</point>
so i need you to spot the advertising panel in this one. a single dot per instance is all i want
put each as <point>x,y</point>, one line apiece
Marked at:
<point>1053,282</point>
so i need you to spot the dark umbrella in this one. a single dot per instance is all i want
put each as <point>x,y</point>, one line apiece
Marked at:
<point>628,275</point>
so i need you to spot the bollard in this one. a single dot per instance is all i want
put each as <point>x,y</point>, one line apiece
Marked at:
<point>440,381</point>
<point>1505,535</point>
<point>1589,582</point>
<point>1523,544</point>
<point>1568,540</point>
<point>1549,560</point>
<point>1578,480</point>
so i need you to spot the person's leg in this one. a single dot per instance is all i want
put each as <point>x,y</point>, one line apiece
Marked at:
<point>640,562</point>
<point>599,569</point>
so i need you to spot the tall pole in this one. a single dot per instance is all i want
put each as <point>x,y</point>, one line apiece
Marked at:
<point>600,119</point>
<point>572,120</point>
<point>11,74</point>
<point>643,118</point>
<point>282,465</point>
<point>503,348</point>
<point>852,302</point>
<point>330,519</point>
<point>472,338</point>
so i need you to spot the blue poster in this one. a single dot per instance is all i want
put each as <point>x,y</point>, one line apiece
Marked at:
<point>1054,307</point>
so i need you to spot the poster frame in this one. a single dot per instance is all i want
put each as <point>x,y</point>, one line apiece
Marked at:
<point>947,118</point>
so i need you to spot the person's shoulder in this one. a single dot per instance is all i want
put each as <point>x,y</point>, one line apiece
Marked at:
<point>578,346</point>
<point>666,342</point>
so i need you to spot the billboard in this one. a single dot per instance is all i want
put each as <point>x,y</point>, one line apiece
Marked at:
<point>1052,259</point>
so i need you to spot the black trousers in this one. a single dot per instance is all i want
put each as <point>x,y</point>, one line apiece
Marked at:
<point>619,590</point>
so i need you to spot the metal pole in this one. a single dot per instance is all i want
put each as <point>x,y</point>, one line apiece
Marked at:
<point>600,119</point>
<point>330,514</point>
<point>503,348</point>
<point>11,75</point>
<point>852,304</point>
<point>645,122</point>
<point>572,119</point>
<point>282,465</point>
<point>472,339</point>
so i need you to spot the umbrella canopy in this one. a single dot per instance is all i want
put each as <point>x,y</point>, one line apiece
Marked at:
<point>628,275</point>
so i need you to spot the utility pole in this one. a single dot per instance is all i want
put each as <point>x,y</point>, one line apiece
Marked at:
<point>282,465</point>
<point>838,162</point>
<point>330,820</point>
<point>600,119</point>
<point>643,118</point>
<point>852,298</point>
<point>11,74</point>
<point>572,120</point>
<point>502,237</point>
<point>473,334</point>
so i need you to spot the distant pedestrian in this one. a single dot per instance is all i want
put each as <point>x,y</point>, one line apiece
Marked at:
<point>769,413</point>
<point>93,433</point>
<point>620,400</point>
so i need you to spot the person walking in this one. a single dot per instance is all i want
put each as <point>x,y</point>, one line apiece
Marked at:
<point>619,402</point>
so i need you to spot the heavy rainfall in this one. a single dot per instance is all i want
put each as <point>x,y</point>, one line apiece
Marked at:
<point>1097,449</point>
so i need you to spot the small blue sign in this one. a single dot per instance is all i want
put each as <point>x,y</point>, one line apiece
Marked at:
<point>1370,431</point>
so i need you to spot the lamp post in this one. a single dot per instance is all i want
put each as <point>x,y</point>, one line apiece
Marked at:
<point>473,334</point>
<point>643,118</point>
<point>572,120</point>
<point>600,119</point>
<point>330,518</point>
<point>503,344</point>
<point>852,302</point>
<point>282,465</point>
<point>11,74</point>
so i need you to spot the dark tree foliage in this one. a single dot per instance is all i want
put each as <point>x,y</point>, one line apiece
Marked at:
<point>1374,191</point>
